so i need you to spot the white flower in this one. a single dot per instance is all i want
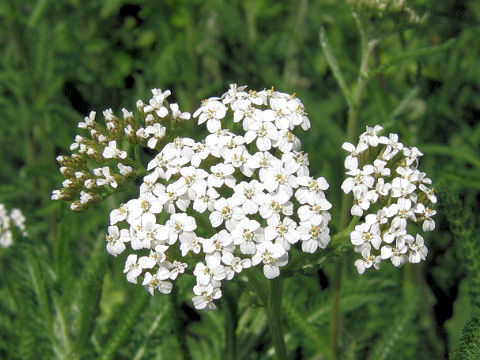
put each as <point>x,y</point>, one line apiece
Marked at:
<point>403,210</point>
<point>235,264</point>
<point>219,244</point>
<point>359,179</point>
<point>315,211</point>
<point>361,202</point>
<point>274,205</point>
<point>370,136</point>
<point>249,195</point>
<point>176,198</point>
<point>313,236</point>
<point>111,151</point>
<point>234,93</point>
<point>429,193</point>
<point>205,294</point>
<point>226,210</point>
<point>179,148</point>
<point>104,177</point>
<point>393,233</point>
<point>418,250</point>
<point>191,243</point>
<point>194,180</point>
<point>211,111</point>
<point>246,234</point>
<point>177,114</point>
<point>116,239</point>
<point>282,232</point>
<point>206,201</point>
<point>201,151</point>
<point>221,174</point>
<point>212,270</point>
<point>145,208</point>
<point>156,132</point>
<point>239,157</point>
<point>367,261</point>
<point>288,142</point>
<point>156,103</point>
<point>396,254</point>
<point>7,222</point>
<point>296,162</point>
<point>264,132</point>
<point>402,187</point>
<point>88,122</point>
<point>366,235</point>
<point>263,161</point>
<point>156,282</point>
<point>351,161</point>
<point>238,190</point>
<point>133,268</point>
<point>428,223</point>
<point>278,178</point>
<point>272,256</point>
<point>124,170</point>
<point>310,188</point>
<point>176,268</point>
<point>180,226</point>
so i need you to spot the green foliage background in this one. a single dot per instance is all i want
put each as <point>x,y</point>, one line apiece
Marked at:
<point>62,297</point>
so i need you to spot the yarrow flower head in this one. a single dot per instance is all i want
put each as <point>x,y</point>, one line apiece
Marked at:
<point>222,204</point>
<point>8,223</point>
<point>101,163</point>
<point>389,193</point>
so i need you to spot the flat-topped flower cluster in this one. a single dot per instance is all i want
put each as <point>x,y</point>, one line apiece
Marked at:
<point>226,203</point>
<point>7,223</point>
<point>388,187</point>
<point>113,167</point>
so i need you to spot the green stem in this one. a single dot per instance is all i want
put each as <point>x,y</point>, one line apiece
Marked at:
<point>367,47</point>
<point>179,328</point>
<point>272,301</point>
<point>258,284</point>
<point>231,323</point>
<point>138,159</point>
<point>335,325</point>
<point>274,314</point>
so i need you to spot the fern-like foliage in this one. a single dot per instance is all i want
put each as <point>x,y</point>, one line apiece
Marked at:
<point>469,346</point>
<point>463,225</point>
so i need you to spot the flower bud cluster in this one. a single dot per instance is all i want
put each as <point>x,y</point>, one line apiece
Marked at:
<point>226,203</point>
<point>8,222</point>
<point>397,11</point>
<point>389,193</point>
<point>102,163</point>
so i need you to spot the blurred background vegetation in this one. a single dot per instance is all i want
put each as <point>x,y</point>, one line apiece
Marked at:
<point>62,297</point>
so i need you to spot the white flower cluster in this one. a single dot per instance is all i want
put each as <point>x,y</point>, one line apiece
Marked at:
<point>225,203</point>
<point>114,166</point>
<point>384,179</point>
<point>7,221</point>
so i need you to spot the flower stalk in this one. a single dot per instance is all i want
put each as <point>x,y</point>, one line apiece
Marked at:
<point>274,315</point>
<point>353,99</point>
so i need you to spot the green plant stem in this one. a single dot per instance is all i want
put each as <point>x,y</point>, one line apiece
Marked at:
<point>138,160</point>
<point>231,323</point>
<point>272,301</point>
<point>367,46</point>
<point>274,314</point>
<point>178,327</point>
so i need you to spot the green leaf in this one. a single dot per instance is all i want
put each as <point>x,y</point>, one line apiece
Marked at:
<point>412,55</point>
<point>469,346</point>
<point>127,321</point>
<point>333,63</point>
<point>88,297</point>
<point>392,334</point>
